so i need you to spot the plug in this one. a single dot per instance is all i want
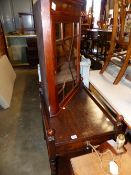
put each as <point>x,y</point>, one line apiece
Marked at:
<point>113,167</point>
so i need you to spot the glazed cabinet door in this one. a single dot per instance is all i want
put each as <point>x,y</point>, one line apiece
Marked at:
<point>60,23</point>
<point>67,36</point>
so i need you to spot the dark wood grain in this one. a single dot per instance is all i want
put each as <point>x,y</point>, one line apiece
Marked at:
<point>81,117</point>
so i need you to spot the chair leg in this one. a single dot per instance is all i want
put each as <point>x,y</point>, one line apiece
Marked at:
<point>123,68</point>
<point>120,74</point>
<point>107,61</point>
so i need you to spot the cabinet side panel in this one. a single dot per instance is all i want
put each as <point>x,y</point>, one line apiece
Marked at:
<point>40,43</point>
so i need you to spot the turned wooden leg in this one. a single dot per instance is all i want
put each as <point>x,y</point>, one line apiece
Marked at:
<point>52,150</point>
<point>119,124</point>
<point>53,167</point>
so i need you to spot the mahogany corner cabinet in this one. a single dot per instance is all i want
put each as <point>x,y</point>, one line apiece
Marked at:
<point>71,114</point>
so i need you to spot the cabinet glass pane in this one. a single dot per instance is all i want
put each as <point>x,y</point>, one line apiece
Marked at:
<point>58,31</point>
<point>66,60</point>
<point>75,29</point>
<point>68,29</point>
